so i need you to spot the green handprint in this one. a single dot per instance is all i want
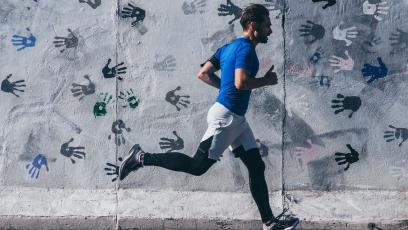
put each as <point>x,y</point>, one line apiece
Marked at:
<point>129,97</point>
<point>100,106</point>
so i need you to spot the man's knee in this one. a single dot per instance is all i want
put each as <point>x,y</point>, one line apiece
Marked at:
<point>201,163</point>
<point>252,159</point>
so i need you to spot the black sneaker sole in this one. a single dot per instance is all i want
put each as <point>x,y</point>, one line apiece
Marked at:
<point>293,226</point>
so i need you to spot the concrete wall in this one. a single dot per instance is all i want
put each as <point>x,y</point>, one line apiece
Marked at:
<point>71,99</point>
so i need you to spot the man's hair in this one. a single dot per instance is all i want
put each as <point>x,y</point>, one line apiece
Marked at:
<point>253,13</point>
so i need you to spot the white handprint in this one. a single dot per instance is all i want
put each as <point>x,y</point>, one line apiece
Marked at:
<point>375,9</point>
<point>344,34</point>
<point>341,63</point>
<point>297,104</point>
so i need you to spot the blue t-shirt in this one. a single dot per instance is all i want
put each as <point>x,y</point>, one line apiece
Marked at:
<point>239,54</point>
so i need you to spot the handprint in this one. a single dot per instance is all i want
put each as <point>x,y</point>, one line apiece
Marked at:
<point>341,63</point>
<point>230,9</point>
<point>396,133</point>
<point>167,64</point>
<point>306,155</point>
<point>100,106</point>
<point>92,3</point>
<point>399,172</point>
<point>24,42</point>
<point>117,130</point>
<point>69,42</point>
<point>315,58</point>
<point>313,30</point>
<point>114,71</point>
<point>193,7</point>
<point>129,98</point>
<point>321,81</point>
<point>79,90</point>
<point>35,167</point>
<point>342,103</point>
<point>399,41</point>
<point>344,34</point>
<point>72,151</point>
<point>220,38</point>
<point>136,13</point>
<point>171,144</point>
<point>376,72</point>
<point>297,103</point>
<point>328,4</point>
<point>347,158</point>
<point>376,9</point>
<point>175,100</point>
<point>10,87</point>
<point>113,169</point>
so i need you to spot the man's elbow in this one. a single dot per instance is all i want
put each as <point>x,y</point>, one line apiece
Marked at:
<point>239,85</point>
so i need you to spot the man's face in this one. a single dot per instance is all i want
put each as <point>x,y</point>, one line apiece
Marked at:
<point>263,30</point>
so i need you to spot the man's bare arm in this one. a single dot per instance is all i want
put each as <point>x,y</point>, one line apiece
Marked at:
<point>244,82</point>
<point>207,75</point>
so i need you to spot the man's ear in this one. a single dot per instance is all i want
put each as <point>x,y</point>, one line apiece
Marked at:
<point>253,26</point>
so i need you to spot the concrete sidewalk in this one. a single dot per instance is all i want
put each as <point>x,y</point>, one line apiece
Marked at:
<point>22,222</point>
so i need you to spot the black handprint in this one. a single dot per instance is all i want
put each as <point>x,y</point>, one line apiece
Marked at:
<point>171,144</point>
<point>347,158</point>
<point>79,90</point>
<point>375,72</point>
<point>113,72</point>
<point>72,151</point>
<point>342,103</point>
<point>69,42</point>
<point>230,9</point>
<point>399,41</point>
<point>328,4</point>
<point>10,87</point>
<point>313,30</point>
<point>167,64</point>
<point>93,4</point>
<point>117,130</point>
<point>134,12</point>
<point>397,133</point>
<point>113,169</point>
<point>193,7</point>
<point>175,100</point>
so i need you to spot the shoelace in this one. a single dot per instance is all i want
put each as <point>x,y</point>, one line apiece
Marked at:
<point>280,215</point>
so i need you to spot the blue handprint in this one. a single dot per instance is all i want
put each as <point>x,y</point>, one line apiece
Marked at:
<point>22,41</point>
<point>35,166</point>
<point>376,72</point>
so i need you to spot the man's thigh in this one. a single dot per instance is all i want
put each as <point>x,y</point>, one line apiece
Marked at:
<point>246,139</point>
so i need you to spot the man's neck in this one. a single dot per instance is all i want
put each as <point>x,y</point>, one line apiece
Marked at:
<point>251,37</point>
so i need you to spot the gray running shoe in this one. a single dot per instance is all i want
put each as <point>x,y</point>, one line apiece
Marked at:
<point>131,162</point>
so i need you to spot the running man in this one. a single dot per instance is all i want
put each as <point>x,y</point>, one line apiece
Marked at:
<point>227,125</point>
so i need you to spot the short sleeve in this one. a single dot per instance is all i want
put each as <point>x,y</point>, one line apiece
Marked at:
<point>243,57</point>
<point>215,59</point>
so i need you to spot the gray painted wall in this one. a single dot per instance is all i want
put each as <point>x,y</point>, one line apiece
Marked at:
<point>295,123</point>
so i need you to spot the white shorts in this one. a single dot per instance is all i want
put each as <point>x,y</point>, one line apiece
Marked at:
<point>227,129</point>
